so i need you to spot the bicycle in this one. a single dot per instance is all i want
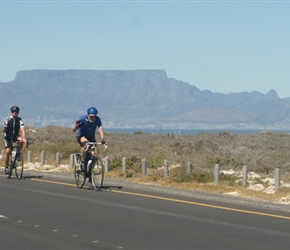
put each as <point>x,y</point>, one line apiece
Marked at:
<point>94,167</point>
<point>16,161</point>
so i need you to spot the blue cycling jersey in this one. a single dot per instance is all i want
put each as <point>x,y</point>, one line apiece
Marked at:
<point>87,128</point>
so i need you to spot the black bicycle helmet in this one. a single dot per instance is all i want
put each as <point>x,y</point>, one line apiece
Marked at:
<point>92,111</point>
<point>15,109</point>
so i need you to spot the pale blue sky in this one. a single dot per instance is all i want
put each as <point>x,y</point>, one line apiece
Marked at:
<point>221,46</point>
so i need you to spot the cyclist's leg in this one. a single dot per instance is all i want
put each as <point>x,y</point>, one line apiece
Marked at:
<point>93,139</point>
<point>83,142</point>
<point>20,146</point>
<point>7,145</point>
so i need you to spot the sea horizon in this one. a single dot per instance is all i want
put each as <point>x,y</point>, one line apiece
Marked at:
<point>190,131</point>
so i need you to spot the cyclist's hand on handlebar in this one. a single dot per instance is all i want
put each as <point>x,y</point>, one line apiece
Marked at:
<point>103,142</point>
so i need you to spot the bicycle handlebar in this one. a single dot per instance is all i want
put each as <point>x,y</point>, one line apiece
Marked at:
<point>17,143</point>
<point>93,144</point>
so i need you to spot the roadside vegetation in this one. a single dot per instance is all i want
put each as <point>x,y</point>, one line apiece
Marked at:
<point>262,153</point>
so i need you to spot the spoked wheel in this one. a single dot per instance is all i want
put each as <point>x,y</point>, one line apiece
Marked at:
<point>80,177</point>
<point>19,166</point>
<point>97,174</point>
<point>8,171</point>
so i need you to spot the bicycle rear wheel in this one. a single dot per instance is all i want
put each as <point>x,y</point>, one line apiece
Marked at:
<point>80,177</point>
<point>97,174</point>
<point>18,163</point>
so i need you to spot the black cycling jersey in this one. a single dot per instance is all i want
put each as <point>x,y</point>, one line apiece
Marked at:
<point>13,126</point>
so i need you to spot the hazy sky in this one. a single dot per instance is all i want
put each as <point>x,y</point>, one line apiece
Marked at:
<point>221,46</point>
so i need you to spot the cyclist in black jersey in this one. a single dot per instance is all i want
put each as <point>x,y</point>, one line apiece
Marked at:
<point>13,130</point>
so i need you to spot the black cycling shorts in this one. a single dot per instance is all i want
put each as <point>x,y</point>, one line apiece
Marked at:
<point>8,141</point>
<point>90,139</point>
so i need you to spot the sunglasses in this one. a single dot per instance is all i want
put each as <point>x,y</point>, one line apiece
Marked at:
<point>14,111</point>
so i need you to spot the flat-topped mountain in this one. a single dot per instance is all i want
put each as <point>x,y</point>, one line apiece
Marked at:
<point>135,98</point>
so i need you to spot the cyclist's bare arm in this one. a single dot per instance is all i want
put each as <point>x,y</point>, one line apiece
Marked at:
<point>23,134</point>
<point>101,132</point>
<point>4,127</point>
<point>76,126</point>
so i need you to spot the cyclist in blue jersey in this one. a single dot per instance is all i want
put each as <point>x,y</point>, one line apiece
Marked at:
<point>13,131</point>
<point>87,126</point>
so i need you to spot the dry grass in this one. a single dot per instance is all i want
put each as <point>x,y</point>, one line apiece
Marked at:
<point>262,153</point>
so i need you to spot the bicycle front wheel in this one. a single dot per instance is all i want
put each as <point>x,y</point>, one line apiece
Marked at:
<point>18,162</point>
<point>8,171</point>
<point>97,174</point>
<point>80,177</point>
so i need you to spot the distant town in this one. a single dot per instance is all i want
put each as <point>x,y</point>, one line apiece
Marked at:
<point>165,125</point>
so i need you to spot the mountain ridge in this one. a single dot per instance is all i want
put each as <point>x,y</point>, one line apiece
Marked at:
<point>136,98</point>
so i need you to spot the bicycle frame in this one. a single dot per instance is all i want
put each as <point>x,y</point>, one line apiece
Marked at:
<point>91,151</point>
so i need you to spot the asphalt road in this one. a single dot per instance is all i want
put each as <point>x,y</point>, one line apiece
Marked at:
<point>45,212</point>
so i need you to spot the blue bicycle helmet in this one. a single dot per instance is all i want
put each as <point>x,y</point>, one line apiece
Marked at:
<point>92,111</point>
